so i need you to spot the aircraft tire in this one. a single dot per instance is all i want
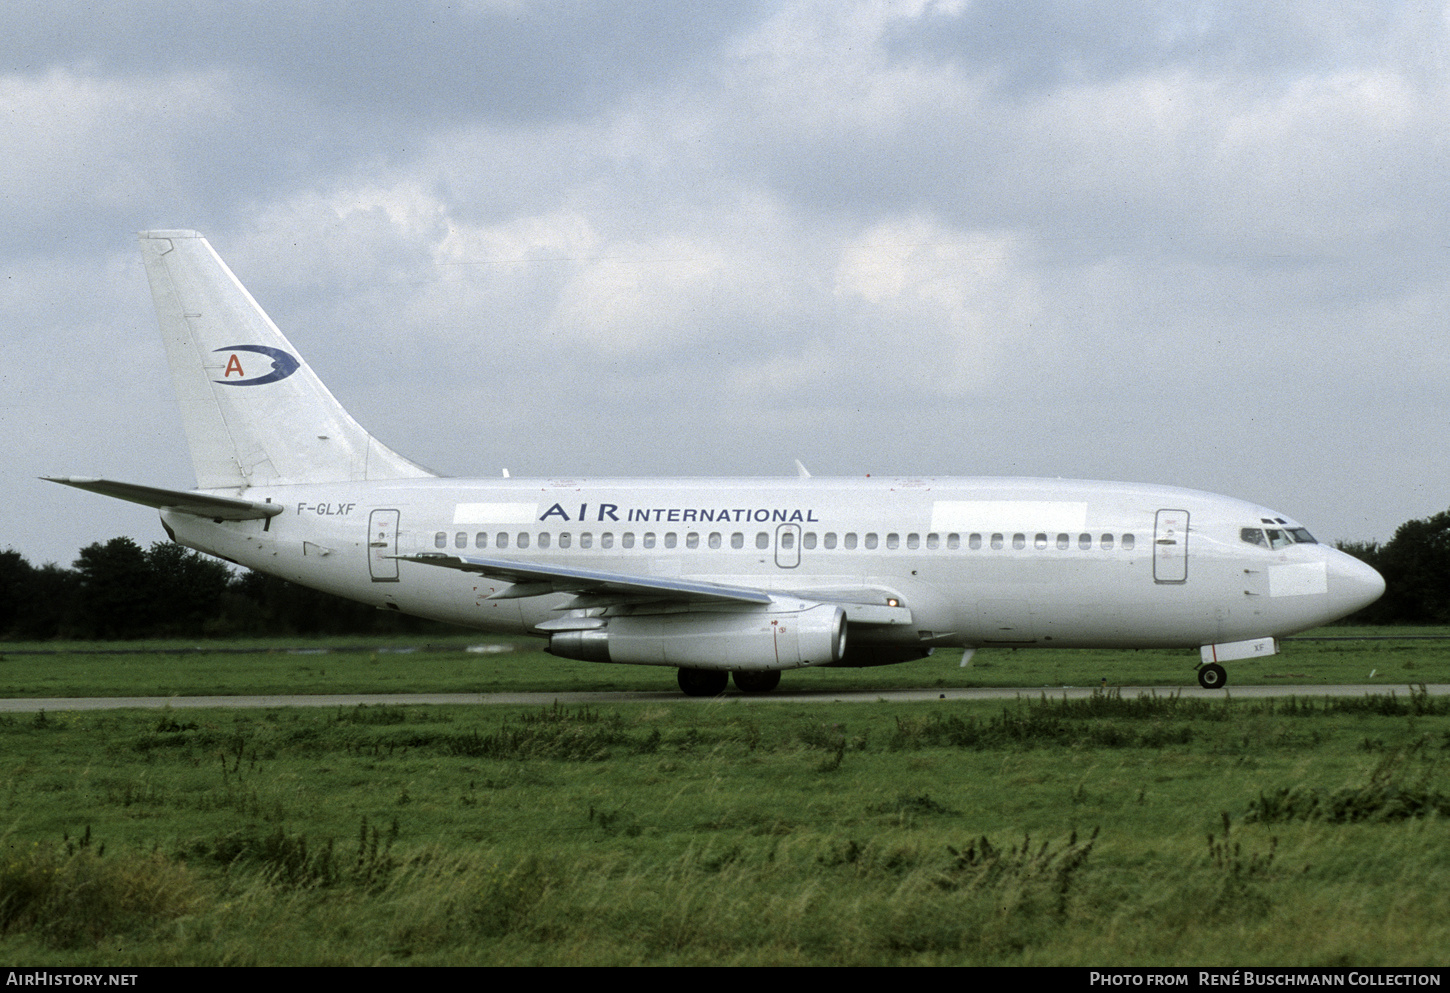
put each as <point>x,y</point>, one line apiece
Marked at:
<point>702,682</point>
<point>1212,676</point>
<point>756,682</point>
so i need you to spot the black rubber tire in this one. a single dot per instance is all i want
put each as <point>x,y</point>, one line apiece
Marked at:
<point>757,682</point>
<point>703,682</point>
<point>1212,676</point>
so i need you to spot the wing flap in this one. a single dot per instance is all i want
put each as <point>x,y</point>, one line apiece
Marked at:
<point>596,589</point>
<point>618,587</point>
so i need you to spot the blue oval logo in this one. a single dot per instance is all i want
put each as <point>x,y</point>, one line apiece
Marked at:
<point>246,371</point>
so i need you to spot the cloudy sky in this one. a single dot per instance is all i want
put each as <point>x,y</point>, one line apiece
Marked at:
<point>1205,244</point>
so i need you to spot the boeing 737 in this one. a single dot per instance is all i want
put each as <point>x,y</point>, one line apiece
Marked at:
<point>718,578</point>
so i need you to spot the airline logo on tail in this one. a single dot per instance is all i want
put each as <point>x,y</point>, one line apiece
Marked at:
<point>247,370</point>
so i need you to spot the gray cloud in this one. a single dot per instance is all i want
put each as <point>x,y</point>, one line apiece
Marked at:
<point>1191,243</point>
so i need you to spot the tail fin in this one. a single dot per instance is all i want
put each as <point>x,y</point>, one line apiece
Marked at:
<point>254,413</point>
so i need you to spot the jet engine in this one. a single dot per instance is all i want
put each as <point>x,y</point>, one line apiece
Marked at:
<point>759,639</point>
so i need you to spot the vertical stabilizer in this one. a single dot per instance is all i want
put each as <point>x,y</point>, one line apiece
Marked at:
<point>254,412</point>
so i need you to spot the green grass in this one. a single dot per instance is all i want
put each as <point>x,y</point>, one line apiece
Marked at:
<point>1156,830</point>
<point>1103,831</point>
<point>445,665</point>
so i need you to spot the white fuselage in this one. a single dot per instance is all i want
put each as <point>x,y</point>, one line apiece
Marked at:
<point>1063,563</point>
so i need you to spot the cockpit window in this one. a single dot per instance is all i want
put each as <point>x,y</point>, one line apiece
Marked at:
<point>1276,537</point>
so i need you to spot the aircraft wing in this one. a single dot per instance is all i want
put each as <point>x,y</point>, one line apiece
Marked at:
<point>593,588</point>
<point>216,508</point>
<point>533,580</point>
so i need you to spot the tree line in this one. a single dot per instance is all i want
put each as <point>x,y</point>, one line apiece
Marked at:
<point>1416,567</point>
<point>121,590</point>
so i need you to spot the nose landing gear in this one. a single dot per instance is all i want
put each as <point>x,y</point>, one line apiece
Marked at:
<point>1212,676</point>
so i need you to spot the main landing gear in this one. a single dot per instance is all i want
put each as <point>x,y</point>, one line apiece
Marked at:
<point>1212,676</point>
<point>756,682</point>
<point>712,682</point>
<point>703,682</point>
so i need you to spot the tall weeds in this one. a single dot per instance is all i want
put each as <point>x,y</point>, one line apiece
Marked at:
<point>71,896</point>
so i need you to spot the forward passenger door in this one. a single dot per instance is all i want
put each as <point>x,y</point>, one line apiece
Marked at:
<point>1170,547</point>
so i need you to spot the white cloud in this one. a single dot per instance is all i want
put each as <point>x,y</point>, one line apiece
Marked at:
<point>73,140</point>
<point>945,307</point>
<point>1063,231</point>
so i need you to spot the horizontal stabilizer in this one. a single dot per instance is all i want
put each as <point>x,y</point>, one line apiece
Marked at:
<point>217,508</point>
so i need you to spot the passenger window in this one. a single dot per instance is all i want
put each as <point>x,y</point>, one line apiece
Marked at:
<point>671,539</point>
<point>996,541</point>
<point>893,540</point>
<point>586,540</point>
<point>787,540</point>
<point>480,540</point>
<point>626,540</point>
<point>1063,541</point>
<point>871,540</point>
<point>933,541</point>
<point>954,541</point>
<point>808,540</point>
<point>544,540</point>
<point>523,539</point>
<point>1019,540</point>
<point>606,540</point>
<point>501,540</point>
<point>737,540</point>
<point>1040,540</point>
<point>913,541</point>
<point>1085,541</point>
<point>460,540</point>
<point>1107,542</point>
<point>1127,542</point>
<point>692,540</point>
<point>714,539</point>
<point>830,541</point>
<point>440,540</point>
<point>850,541</point>
<point>974,542</point>
<point>564,540</point>
<point>649,539</point>
<point>762,539</point>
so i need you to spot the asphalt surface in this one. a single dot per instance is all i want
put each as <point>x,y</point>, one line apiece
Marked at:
<point>34,704</point>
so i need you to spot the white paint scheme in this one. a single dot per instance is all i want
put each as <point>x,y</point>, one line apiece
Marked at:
<point>293,486</point>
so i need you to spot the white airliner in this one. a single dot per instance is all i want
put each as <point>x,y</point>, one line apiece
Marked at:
<point>714,577</point>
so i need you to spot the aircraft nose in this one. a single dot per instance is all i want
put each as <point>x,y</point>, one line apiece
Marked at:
<point>1352,584</point>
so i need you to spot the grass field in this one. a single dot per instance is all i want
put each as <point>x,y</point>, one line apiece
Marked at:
<point>1156,830</point>
<point>1396,656</point>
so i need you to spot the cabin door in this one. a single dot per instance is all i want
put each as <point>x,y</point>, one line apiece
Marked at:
<point>1170,547</point>
<point>383,545</point>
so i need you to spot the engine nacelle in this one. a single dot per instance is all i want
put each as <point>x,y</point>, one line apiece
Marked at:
<point>768,638</point>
